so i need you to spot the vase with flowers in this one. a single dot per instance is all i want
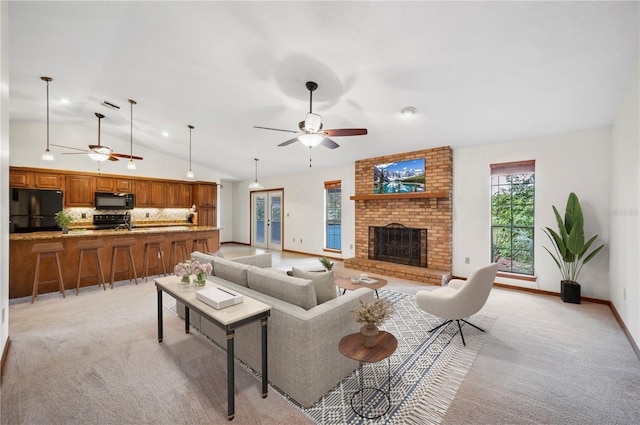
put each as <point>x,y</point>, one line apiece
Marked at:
<point>372,314</point>
<point>192,271</point>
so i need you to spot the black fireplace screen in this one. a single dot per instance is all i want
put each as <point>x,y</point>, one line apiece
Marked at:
<point>396,243</point>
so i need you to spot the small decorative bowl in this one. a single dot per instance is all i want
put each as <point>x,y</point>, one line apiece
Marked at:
<point>355,279</point>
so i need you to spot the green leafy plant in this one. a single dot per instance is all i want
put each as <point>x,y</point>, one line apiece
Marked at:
<point>568,243</point>
<point>63,219</point>
<point>326,263</point>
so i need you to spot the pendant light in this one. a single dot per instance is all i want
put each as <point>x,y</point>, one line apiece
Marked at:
<point>190,172</point>
<point>256,185</point>
<point>131,165</point>
<point>47,155</point>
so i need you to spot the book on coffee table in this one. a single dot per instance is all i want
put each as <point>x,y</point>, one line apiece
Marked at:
<point>218,297</point>
<point>368,281</point>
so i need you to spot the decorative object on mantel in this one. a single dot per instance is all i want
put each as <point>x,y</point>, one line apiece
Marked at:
<point>193,271</point>
<point>570,247</point>
<point>256,185</point>
<point>372,314</point>
<point>47,155</point>
<point>190,172</point>
<point>63,220</point>
<point>326,263</point>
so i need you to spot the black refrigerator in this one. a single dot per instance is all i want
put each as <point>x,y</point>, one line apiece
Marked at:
<point>33,210</point>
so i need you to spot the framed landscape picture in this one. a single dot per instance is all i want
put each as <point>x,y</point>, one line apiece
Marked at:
<point>399,177</point>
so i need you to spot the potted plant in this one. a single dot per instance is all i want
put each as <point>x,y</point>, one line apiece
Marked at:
<point>326,263</point>
<point>570,248</point>
<point>63,220</point>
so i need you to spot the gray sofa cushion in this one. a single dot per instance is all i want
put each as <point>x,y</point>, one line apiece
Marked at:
<point>296,291</point>
<point>323,283</point>
<point>258,260</point>
<point>230,270</point>
<point>201,257</point>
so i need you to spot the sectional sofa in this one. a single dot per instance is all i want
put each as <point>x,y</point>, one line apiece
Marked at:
<point>303,335</point>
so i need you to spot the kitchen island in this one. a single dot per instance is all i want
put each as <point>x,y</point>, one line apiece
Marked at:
<point>22,262</point>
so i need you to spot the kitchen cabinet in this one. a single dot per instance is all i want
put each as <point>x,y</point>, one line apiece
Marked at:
<point>206,195</point>
<point>35,180</point>
<point>158,194</point>
<point>48,181</point>
<point>109,184</point>
<point>207,216</point>
<point>178,195</point>
<point>79,191</point>
<point>142,193</point>
<point>19,178</point>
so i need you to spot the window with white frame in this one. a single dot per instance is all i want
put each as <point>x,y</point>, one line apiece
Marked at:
<point>333,214</point>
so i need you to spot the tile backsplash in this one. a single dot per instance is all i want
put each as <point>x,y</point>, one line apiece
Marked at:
<point>138,215</point>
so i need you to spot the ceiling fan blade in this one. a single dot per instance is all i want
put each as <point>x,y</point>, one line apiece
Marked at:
<point>113,158</point>
<point>69,147</point>
<point>288,142</point>
<point>326,142</point>
<point>275,129</point>
<point>75,153</point>
<point>346,132</point>
<point>126,156</point>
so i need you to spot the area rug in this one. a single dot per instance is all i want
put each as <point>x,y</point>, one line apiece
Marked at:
<point>426,370</point>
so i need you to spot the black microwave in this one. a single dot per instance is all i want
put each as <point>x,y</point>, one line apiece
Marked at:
<point>114,201</point>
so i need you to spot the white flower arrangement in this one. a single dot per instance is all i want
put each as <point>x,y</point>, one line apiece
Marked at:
<point>189,267</point>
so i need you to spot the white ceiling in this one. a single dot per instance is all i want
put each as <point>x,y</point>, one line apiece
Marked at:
<point>477,72</point>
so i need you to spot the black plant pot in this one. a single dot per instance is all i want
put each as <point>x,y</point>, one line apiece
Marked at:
<point>570,291</point>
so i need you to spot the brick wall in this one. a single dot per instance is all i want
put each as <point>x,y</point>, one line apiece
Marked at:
<point>433,214</point>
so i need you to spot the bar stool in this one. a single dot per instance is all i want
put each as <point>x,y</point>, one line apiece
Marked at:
<point>47,250</point>
<point>90,247</point>
<point>178,243</point>
<point>123,244</point>
<point>197,242</point>
<point>153,243</point>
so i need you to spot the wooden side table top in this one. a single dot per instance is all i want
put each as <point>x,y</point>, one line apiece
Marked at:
<point>352,346</point>
<point>345,283</point>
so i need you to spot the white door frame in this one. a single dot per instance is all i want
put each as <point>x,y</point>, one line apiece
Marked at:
<point>267,229</point>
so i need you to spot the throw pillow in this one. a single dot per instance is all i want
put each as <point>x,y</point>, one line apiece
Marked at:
<point>323,282</point>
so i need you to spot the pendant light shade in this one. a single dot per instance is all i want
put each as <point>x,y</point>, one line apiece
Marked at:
<point>47,155</point>
<point>256,185</point>
<point>190,172</point>
<point>131,165</point>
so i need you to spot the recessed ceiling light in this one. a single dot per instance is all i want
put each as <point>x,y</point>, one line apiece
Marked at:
<point>408,111</point>
<point>165,134</point>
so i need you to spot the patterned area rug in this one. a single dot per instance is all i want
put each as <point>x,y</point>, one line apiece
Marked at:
<point>426,370</point>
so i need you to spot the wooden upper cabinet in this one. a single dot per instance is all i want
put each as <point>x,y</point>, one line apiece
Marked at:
<point>48,181</point>
<point>20,178</point>
<point>109,184</point>
<point>158,194</point>
<point>206,195</point>
<point>178,195</point>
<point>79,191</point>
<point>142,193</point>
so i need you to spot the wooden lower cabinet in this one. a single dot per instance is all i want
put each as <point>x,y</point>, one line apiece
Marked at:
<point>22,261</point>
<point>207,217</point>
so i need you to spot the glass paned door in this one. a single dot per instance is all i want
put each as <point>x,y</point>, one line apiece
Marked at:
<point>267,219</point>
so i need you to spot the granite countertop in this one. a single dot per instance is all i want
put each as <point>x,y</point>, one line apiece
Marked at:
<point>137,230</point>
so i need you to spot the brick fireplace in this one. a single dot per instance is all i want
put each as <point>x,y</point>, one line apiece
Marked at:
<point>428,212</point>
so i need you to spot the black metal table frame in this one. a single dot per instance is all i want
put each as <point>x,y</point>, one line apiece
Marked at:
<point>362,388</point>
<point>230,334</point>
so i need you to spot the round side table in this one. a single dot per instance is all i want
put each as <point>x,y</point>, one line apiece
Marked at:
<point>352,346</point>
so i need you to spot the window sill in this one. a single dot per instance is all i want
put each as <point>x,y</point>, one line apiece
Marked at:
<point>337,251</point>
<point>517,276</point>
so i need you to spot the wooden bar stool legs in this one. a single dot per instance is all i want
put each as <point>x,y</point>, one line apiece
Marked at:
<point>153,243</point>
<point>122,244</point>
<point>179,243</point>
<point>201,242</point>
<point>90,247</point>
<point>47,250</point>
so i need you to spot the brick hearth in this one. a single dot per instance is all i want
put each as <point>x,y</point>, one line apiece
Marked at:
<point>433,213</point>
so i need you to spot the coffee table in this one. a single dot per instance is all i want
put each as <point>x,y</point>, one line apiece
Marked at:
<point>352,346</point>
<point>346,285</point>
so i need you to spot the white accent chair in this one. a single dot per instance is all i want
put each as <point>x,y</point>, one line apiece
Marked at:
<point>460,298</point>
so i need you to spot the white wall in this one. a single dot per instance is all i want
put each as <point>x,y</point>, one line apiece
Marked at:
<point>28,141</point>
<point>225,210</point>
<point>574,162</point>
<point>303,209</point>
<point>4,174</point>
<point>625,209</point>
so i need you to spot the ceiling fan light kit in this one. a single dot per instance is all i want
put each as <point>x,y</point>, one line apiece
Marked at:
<point>408,111</point>
<point>47,155</point>
<point>190,172</point>
<point>256,185</point>
<point>311,133</point>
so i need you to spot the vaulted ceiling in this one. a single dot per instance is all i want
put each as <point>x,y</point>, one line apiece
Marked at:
<point>476,72</point>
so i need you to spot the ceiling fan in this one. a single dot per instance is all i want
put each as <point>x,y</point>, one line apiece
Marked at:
<point>98,152</point>
<point>311,133</point>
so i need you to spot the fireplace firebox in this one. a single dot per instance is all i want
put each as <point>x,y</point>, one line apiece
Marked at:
<point>399,244</point>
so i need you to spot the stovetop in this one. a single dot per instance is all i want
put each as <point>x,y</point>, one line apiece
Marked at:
<point>110,221</point>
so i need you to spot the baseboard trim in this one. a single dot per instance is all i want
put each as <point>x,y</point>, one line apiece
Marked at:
<point>624,329</point>
<point>5,353</point>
